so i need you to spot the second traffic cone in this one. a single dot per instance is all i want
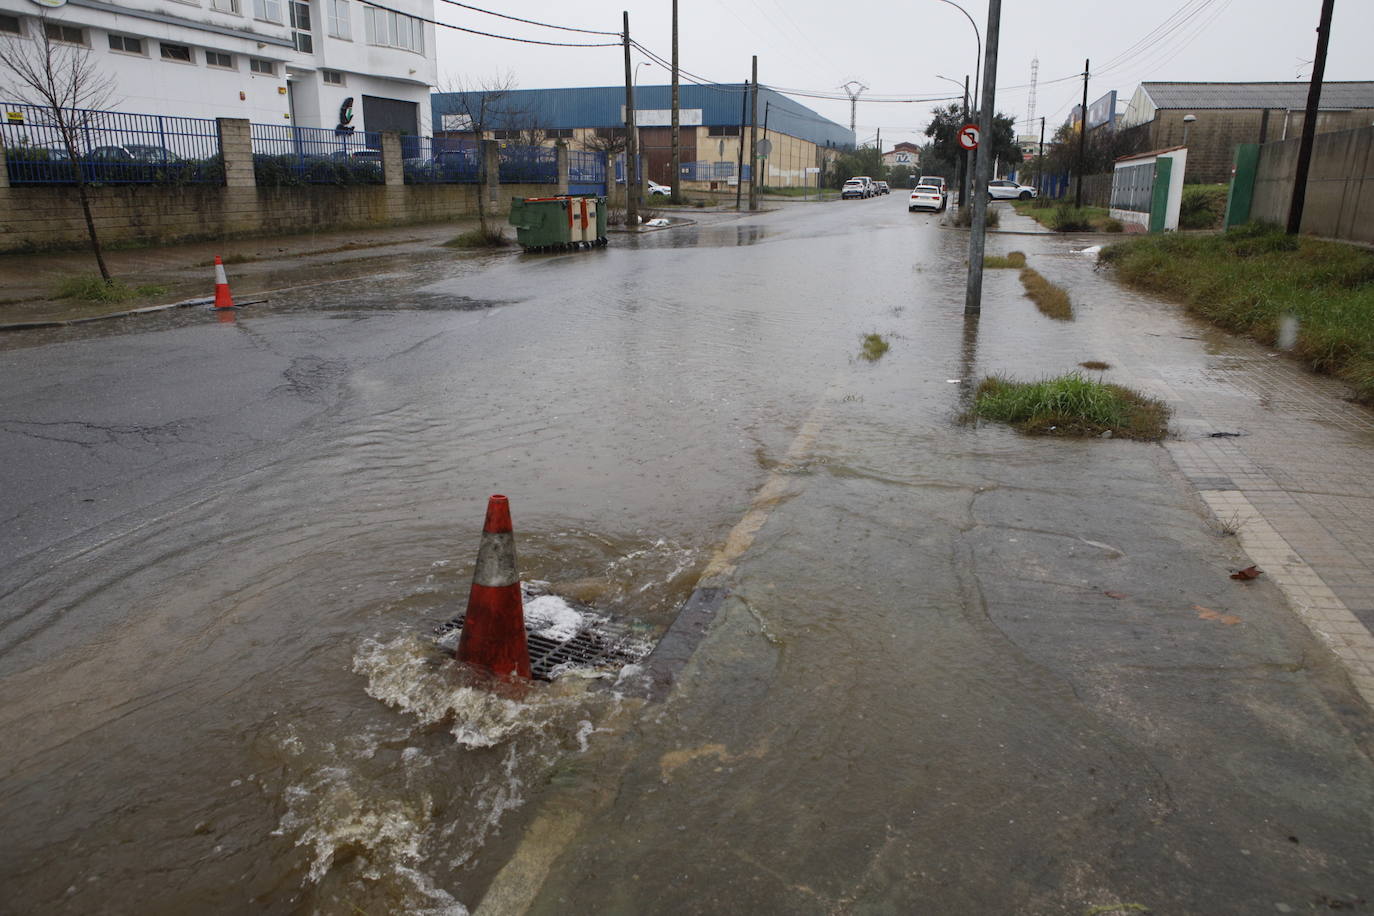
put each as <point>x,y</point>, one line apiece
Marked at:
<point>493,634</point>
<point>222,298</point>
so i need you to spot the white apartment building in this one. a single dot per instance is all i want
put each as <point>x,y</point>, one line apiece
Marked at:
<point>269,61</point>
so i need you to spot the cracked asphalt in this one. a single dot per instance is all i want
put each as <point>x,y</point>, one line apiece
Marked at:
<point>957,670</point>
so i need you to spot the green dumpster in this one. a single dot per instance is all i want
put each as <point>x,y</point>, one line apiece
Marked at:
<point>559,223</point>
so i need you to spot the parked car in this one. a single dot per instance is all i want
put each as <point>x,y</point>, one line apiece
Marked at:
<point>854,188</point>
<point>870,188</point>
<point>926,197</point>
<point>1002,189</point>
<point>136,162</point>
<point>882,187</point>
<point>934,180</point>
<point>655,189</point>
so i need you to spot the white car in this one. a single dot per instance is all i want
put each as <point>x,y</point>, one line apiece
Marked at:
<point>655,189</point>
<point>926,197</point>
<point>1001,189</point>
<point>857,188</point>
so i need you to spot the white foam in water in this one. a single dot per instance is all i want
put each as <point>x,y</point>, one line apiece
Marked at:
<point>552,617</point>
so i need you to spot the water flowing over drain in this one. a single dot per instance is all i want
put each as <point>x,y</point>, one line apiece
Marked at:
<point>601,643</point>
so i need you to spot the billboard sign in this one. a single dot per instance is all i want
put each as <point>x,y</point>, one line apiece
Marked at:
<point>1103,111</point>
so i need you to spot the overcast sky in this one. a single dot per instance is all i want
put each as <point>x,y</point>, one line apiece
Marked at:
<point>901,49</point>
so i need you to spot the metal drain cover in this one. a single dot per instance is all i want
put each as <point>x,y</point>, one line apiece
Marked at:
<point>601,643</point>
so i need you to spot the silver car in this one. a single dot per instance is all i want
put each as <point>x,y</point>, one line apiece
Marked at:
<point>1001,189</point>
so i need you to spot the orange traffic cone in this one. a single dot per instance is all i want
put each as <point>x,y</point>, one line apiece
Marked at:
<point>222,298</point>
<point>494,629</point>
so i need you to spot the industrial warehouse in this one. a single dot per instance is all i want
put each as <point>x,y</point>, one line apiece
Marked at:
<point>714,123</point>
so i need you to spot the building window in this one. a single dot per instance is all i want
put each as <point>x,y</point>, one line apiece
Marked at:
<point>126,45</point>
<point>11,25</point>
<point>340,26</point>
<point>608,133</point>
<point>179,53</point>
<point>225,6</point>
<point>731,130</point>
<point>265,67</point>
<point>393,30</point>
<point>219,59</point>
<point>300,25</point>
<point>559,133</point>
<point>67,34</point>
<point>332,77</point>
<point>267,10</point>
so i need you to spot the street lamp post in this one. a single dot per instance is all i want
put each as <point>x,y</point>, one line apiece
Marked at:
<point>963,153</point>
<point>978,61</point>
<point>632,168</point>
<point>1188,120</point>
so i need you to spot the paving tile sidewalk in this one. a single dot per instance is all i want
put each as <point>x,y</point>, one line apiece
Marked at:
<point>1281,456</point>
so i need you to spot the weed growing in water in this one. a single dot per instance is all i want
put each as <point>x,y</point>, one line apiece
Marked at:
<point>1015,260</point>
<point>476,238</point>
<point>1071,405</point>
<point>874,347</point>
<point>94,289</point>
<point>1052,300</point>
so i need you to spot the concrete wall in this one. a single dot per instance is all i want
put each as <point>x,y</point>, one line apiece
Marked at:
<point>1340,185</point>
<point>1213,137</point>
<point>39,217</point>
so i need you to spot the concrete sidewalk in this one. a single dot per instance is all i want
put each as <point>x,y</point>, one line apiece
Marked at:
<point>1280,455</point>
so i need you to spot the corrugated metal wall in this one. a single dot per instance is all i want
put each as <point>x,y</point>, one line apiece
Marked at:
<point>602,106</point>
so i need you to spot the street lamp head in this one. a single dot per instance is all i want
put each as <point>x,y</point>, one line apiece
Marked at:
<point>1189,118</point>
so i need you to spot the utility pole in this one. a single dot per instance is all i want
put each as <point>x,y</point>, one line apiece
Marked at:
<point>880,140</point>
<point>1082,140</point>
<point>1040,160</point>
<point>754,139</point>
<point>973,299</point>
<point>1309,121</point>
<point>853,89</point>
<point>739,173</point>
<point>963,154</point>
<point>631,147</point>
<point>676,196</point>
<point>763,160</point>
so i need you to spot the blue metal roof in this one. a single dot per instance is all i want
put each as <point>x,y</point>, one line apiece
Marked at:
<point>601,106</point>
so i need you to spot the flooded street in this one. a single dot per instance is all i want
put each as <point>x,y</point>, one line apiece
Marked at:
<point>954,669</point>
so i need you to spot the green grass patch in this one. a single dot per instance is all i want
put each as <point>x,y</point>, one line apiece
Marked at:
<point>1016,260</point>
<point>874,347</point>
<point>1112,225</point>
<point>1255,279</point>
<point>1203,206</point>
<point>963,217</point>
<point>1064,218</point>
<point>1071,405</point>
<point>1052,301</point>
<point>476,238</point>
<point>95,289</point>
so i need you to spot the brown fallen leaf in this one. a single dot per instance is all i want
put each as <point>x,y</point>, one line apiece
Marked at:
<point>1117,595</point>
<point>1207,613</point>
<point>1249,572</point>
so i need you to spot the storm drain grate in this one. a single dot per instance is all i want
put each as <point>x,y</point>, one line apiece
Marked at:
<point>603,643</point>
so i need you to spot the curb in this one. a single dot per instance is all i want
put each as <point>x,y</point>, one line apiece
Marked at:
<point>128,313</point>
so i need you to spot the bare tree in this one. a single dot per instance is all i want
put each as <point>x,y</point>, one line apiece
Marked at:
<point>478,107</point>
<point>64,79</point>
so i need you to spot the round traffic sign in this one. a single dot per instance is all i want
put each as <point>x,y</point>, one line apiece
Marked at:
<point>968,136</point>
<point>765,147</point>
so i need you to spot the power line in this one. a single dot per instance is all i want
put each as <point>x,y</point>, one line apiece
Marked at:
<point>547,25</point>
<point>459,28</point>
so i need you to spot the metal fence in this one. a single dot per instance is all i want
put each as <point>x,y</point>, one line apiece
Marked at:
<point>442,161</point>
<point>528,164</point>
<point>284,154</point>
<point>708,171</point>
<point>112,147</point>
<point>586,167</point>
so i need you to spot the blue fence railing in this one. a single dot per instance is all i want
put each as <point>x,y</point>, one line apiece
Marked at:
<point>586,167</point>
<point>528,164</point>
<point>111,147</point>
<point>708,171</point>
<point>442,161</point>
<point>284,154</point>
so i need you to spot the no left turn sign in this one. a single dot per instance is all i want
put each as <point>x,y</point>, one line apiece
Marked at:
<point>968,136</point>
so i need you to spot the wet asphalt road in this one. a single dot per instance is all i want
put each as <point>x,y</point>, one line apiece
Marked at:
<point>224,540</point>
